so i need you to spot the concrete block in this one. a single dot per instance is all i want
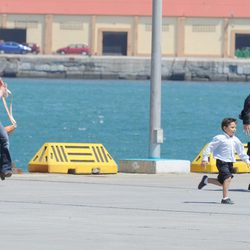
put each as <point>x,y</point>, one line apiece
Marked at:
<point>154,166</point>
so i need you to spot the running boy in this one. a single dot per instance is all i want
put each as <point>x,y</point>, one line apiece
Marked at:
<point>223,147</point>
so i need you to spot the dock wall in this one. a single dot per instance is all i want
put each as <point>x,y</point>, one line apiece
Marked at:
<point>130,68</point>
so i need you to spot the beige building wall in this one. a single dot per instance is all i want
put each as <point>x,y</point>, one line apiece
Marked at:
<point>69,29</point>
<point>203,37</point>
<point>169,36</point>
<point>181,36</point>
<point>3,20</point>
<point>144,30</point>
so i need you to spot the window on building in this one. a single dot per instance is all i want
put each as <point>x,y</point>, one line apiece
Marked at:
<point>26,24</point>
<point>148,27</point>
<point>16,35</point>
<point>71,26</point>
<point>242,45</point>
<point>165,27</point>
<point>115,43</point>
<point>203,28</point>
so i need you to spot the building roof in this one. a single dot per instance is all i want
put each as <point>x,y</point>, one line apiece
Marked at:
<point>190,8</point>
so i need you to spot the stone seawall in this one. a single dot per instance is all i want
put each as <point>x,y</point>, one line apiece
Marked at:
<point>131,68</point>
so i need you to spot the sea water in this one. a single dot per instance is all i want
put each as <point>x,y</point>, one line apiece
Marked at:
<point>116,114</point>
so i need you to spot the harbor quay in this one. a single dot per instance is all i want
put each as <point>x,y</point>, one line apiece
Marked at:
<point>122,211</point>
<point>121,67</point>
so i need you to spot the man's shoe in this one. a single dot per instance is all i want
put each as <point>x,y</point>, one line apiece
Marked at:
<point>202,183</point>
<point>227,201</point>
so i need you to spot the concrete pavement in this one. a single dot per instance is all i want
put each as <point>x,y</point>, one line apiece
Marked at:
<point>123,211</point>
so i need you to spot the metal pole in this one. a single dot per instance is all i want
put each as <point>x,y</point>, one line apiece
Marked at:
<point>156,133</point>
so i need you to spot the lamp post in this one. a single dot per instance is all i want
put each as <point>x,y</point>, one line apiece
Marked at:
<point>155,164</point>
<point>156,133</point>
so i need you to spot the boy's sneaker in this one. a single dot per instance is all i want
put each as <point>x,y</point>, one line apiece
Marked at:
<point>227,201</point>
<point>203,182</point>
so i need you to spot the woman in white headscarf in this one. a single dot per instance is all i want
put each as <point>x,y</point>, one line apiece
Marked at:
<point>5,159</point>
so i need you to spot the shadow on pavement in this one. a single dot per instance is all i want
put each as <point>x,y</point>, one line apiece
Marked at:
<point>201,202</point>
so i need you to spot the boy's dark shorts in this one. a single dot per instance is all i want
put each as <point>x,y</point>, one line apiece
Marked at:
<point>225,170</point>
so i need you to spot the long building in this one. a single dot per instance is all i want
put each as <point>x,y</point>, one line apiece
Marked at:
<point>190,28</point>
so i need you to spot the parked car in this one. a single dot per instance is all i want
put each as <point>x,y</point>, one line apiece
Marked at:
<point>75,49</point>
<point>35,49</point>
<point>13,48</point>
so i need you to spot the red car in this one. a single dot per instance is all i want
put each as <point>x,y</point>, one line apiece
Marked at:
<point>82,49</point>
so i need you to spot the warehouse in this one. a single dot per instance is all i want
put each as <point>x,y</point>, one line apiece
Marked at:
<point>190,28</point>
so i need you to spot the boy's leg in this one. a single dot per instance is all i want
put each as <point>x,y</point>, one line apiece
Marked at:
<point>205,180</point>
<point>225,176</point>
<point>224,169</point>
<point>226,185</point>
<point>226,199</point>
<point>214,181</point>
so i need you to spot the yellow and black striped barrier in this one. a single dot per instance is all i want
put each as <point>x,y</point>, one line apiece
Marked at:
<point>74,158</point>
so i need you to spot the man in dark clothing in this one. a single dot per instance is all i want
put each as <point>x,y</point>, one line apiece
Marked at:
<point>245,116</point>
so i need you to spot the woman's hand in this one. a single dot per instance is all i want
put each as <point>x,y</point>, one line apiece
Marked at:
<point>3,89</point>
<point>246,128</point>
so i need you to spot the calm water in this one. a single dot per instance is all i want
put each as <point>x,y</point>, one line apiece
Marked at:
<point>116,114</point>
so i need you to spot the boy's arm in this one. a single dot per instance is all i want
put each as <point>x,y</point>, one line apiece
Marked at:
<point>241,152</point>
<point>209,149</point>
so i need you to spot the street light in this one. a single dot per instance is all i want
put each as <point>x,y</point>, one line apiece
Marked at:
<point>156,133</point>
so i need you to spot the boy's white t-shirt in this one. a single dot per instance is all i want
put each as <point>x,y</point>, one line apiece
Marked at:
<point>223,148</point>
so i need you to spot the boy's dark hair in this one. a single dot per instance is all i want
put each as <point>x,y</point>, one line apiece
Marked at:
<point>226,122</point>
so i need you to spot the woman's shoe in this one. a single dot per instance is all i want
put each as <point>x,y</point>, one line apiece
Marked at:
<point>5,174</point>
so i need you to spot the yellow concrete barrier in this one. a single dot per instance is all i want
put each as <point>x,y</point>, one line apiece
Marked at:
<point>239,165</point>
<point>75,158</point>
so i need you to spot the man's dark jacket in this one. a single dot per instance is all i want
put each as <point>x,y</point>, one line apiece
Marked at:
<point>245,113</point>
